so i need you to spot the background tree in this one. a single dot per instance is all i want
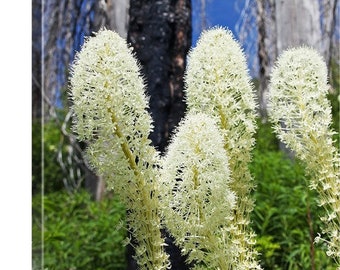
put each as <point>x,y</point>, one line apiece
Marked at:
<point>263,56</point>
<point>64,24</point>
<point>330,14</point>
<point>36,93</point>
<point>160,33</point>
<point>36,59</point>
<point>112,14</point>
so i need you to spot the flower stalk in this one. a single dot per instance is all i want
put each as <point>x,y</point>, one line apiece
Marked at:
<point>218,84</point>
<point>110,111</point>
<point>301,115</point>
<point>197,200</point>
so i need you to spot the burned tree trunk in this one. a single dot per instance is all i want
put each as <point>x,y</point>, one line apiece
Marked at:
<point>160,33</point>
<point>36,60</point>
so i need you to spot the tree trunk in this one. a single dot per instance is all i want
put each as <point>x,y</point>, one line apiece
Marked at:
<point>328,11</point>
<point>160,33</point>
<point>36,60</point>
<point>298,23</point>
<point>264,68</point>
<point>112,14</point>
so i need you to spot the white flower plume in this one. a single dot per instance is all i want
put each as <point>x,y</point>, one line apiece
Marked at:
<point>197,199</point>
<point>110,109</point>
<point>301,114</point>
<point>218,84</point>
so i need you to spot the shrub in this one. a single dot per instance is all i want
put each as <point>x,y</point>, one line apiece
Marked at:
<point>51,171</point>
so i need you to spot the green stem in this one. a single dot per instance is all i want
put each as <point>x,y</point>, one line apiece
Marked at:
<point>127,152</point>
<point>311,236</point>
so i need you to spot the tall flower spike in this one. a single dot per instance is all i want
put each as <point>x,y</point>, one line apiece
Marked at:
<point>197,200</point>
<point>217,83</point>
<point>301,114</point>
<point>110,105</point>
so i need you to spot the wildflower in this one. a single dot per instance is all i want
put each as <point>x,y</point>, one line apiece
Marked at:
<point>110,109</point>
<point>218,84</point>
<point>197,200</point>
<point>301,114</point>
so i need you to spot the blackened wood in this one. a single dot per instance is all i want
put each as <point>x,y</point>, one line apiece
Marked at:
<point>160,34</point>
<point>36,60</point>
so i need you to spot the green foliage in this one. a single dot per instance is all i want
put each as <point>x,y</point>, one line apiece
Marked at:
<point>46,149</point>
<point>48,142</point>
<point>265,138</point>
<point>52,172</point>
<point>280,217</point>
<point>78,233</point>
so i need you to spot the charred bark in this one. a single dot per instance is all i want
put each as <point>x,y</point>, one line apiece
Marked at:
<point>160,33</point>
<point>36,60</point>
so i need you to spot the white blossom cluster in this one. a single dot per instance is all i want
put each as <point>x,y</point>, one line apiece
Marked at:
<point>110,109</point>
<point>301,114</point>
<point>218,84</point>
<point>196,198</point>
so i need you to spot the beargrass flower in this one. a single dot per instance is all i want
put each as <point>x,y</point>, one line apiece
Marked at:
<point>218,84</point>
<point>301,115</point>
<point>197,200</point>
<point>110,112</point>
